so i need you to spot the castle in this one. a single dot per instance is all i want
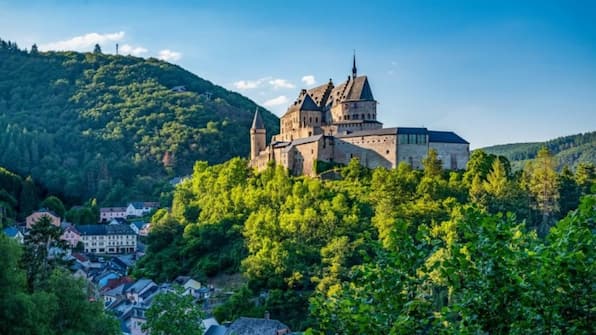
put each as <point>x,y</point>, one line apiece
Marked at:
<point>333,124</point>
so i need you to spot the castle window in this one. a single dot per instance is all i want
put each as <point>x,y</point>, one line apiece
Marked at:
<point>362,116</point>
<point>316,120</point>
<point>355,116</point>
<point>348,117</point>
<point>368,116</point>
<point>355,105</point>
<point>387,152</point>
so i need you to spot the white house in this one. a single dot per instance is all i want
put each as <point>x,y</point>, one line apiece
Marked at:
<point>140,208</point>
<point>109,239</point>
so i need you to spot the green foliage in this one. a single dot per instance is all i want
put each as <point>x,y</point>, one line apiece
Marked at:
<point>569,150</point>
<point>97,125</point>
<point>172,313</point>
<point>395,251</point>
<point>58,305</point>
<point>54,204</point>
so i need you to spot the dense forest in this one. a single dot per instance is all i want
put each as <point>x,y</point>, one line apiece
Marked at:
<point>568,150</point>
<point>111,127</point>
<point>401,251</point>
<point>20,196</point>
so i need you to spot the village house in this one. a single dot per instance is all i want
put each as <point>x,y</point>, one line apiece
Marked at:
<point>35,216</point>
<point>140,208</point>
<point>109,239</point>
<point>109,213</point>
<point>72,236</point>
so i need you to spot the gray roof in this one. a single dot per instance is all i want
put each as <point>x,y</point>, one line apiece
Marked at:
<point>360,89</point>
<point>139,285</point>
<point>445,137</point>
<point>254,326</point>
<point>303,140</point>
<point>382,131</point>
<point>102,229</point>
<point>257,122</point>
<point>308,104</point>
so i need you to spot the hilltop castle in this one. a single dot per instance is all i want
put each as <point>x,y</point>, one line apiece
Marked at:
<point>334,124</point>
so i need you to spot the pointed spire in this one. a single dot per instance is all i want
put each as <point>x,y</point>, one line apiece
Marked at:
<point>354,66</point>
<point>257,122</point>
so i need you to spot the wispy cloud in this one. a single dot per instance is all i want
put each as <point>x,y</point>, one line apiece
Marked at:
<point>280,100</point>
<point>127,49</point>
<point>281,83</point>
<point>83,42</point>
<point>249,84</point>
<point>309,80</point>
<point>169,55</point>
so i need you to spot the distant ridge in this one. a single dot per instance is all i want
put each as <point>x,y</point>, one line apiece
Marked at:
<point>568,150</point>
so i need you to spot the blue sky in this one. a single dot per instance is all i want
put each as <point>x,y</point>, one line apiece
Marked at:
<point>495,72</point>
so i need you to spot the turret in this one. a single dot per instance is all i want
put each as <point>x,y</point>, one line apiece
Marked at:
<point>257,136</point>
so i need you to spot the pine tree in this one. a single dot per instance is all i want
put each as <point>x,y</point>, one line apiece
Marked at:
<point>541,181</point>
<point>97,49</point>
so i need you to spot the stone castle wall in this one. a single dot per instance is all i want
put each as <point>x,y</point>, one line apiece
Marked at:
<point>454,156</point>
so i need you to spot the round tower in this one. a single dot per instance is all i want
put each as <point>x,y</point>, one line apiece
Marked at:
<point>257,136</point>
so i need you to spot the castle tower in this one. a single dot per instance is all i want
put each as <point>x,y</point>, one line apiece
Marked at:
<point>257,136</point>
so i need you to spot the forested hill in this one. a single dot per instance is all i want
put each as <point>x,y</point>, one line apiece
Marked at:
<point>569,150</point>
<point>113,127</point>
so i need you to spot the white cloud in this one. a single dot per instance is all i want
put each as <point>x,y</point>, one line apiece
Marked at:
<point>281,83</point>
<point>280,100</point>
<point>169,55</point>
<point>83,42</point>
<point>250,84</point>
<point>127,49</point>
<point>309,80</point>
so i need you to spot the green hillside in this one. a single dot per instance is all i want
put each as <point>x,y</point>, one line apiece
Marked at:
<point>569,150</point>
<point>111,127</point>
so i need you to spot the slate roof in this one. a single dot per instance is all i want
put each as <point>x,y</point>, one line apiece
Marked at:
<point>303,140</point>
<point>445,137</point>
<point>254,326</point>
<point>10,231</point>
<point>320,93</point>
<point>102,229</point>
<point>257,121</point>
<point>216,330</point>
<point>359,89</point>
<point>139,285</point>
<point>112,209</point>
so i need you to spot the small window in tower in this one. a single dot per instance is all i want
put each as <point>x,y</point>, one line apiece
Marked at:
<point>310,120</point>
<point>316,120</point>
<point>387,152</point>
<point>362,115</point>
<point>355,116</point>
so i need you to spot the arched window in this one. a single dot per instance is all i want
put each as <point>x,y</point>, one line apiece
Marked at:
<point>362,116</point>
<point>368,115</point>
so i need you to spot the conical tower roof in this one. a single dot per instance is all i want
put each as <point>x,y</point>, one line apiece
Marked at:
<point>257,121</point>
